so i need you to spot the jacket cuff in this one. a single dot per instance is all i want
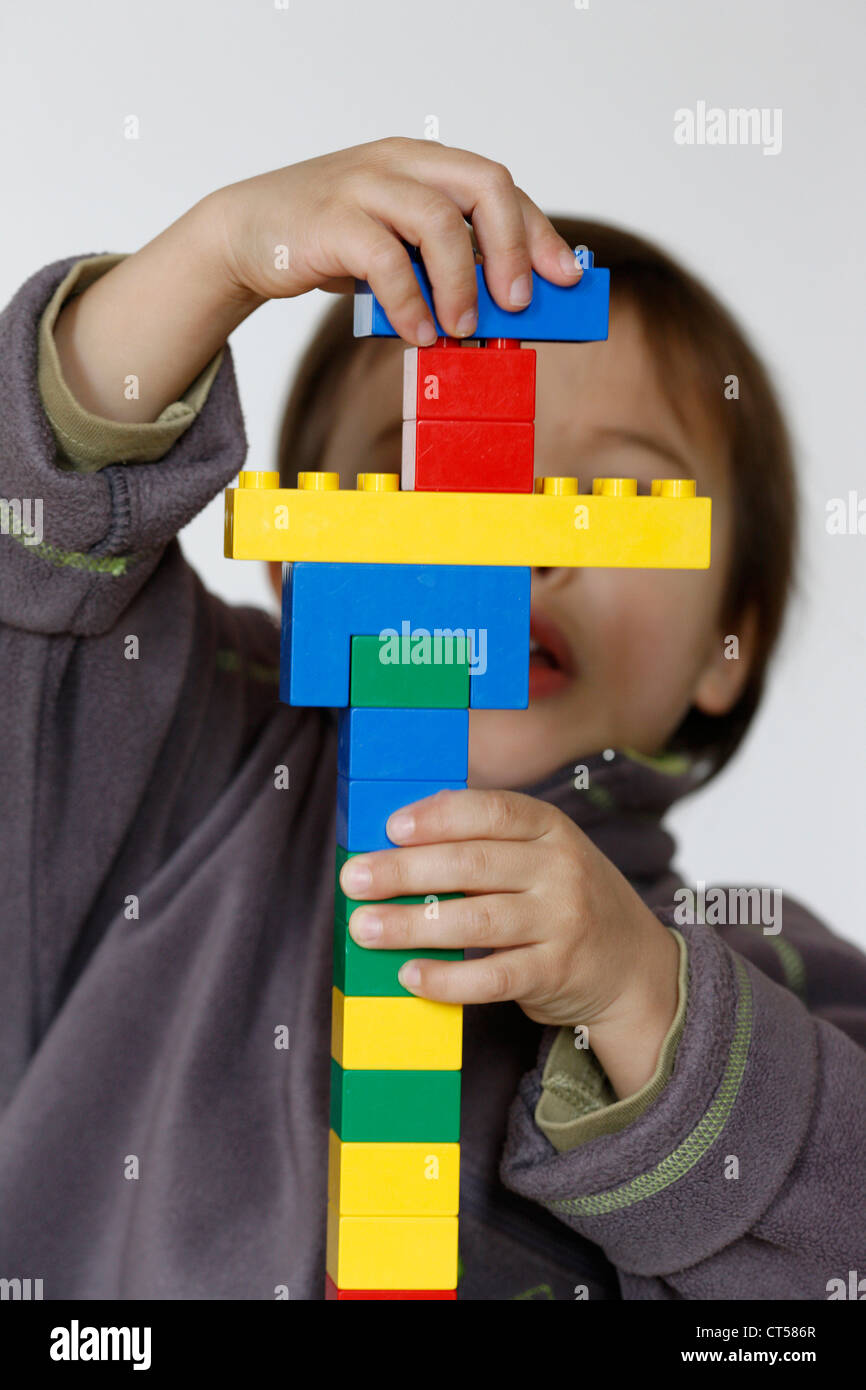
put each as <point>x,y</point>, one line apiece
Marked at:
<point>88,442</point>
<point>661,1193</point>
<point>577,1102</point>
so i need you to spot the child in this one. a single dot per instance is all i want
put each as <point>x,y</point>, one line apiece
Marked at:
<point>167,921</point>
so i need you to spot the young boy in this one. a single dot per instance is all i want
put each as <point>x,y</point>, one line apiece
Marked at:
<point>169,899</point>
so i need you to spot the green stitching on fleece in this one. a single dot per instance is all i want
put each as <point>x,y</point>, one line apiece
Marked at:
<point>228,660</point>
<point>695,1145</point>
<point>792,962</point>
<point>114,565</point>
<point>673,763</point>
<point>599,796</point>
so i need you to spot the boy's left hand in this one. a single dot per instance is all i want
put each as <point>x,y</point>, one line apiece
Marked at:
<point>571,941</point>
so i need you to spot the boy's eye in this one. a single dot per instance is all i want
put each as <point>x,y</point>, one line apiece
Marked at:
<point>618,452</point>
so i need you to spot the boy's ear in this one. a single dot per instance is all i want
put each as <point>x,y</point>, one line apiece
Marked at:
<point>720,684</point>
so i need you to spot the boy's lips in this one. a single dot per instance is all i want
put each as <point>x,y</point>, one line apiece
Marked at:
<point>551,666</point>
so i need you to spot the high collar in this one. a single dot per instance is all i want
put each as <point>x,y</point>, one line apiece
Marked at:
<point>619,801</point>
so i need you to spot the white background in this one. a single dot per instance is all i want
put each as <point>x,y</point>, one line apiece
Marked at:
<point>579,104</point>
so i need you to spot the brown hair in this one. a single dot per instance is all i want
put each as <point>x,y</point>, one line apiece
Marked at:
<point>697,344</point>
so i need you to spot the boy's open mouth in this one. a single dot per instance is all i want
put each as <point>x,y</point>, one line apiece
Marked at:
<point>550,663</point>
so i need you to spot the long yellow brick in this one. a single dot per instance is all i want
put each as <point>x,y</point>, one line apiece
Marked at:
<point>467,528</point>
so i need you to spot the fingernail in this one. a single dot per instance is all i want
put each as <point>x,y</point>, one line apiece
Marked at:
<point>466,323</point>
<point>355,875</point>
<point>521,290</point>
<point>570,264</point>
<point>366,926</point>
<point>400,826</point>
<point>409,975</point>
<point>426,333</point>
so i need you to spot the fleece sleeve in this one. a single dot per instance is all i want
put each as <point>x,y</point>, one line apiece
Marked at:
<point>94,538</point>
<point>745,1176</point>
<point>88,442</point>
<point>129,696</point>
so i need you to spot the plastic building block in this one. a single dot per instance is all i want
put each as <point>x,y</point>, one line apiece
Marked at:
<point>332,1293</point>
<point>383,1034</point>
<point>455,383</point>
<point>362,970</point>
<point>556,314</point>
<point>392,1252</point>
<point>395,1106</point>
<point>364,807</point>
<point>393,1179</point>
<point>403,744</point>
<point>344,907</point>
<point>670,530</point>
<point>380,678</point>
<point>344,601</point>
<point>468,455</point>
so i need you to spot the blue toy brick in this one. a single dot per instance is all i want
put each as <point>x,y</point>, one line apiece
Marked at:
<point>556,313</point>
<point>403,744</point>
<point>364,807</point>
<point>325,605</point>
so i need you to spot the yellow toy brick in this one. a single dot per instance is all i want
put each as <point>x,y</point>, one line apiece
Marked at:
<point>392,1252</point>
<point>370,1033</point>
<point>393,1179</point>
<point>612,526</point>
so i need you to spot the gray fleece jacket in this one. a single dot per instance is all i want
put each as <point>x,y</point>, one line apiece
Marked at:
<point>167,911</point>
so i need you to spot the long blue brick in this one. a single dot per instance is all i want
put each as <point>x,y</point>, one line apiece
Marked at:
<point>325,605</point>
<point>403,744</point>
<point>556,313</point>
<point>364,807</point>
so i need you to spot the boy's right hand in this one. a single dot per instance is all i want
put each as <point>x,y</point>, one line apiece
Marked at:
<point>161,314</point>
<point>342,216</point>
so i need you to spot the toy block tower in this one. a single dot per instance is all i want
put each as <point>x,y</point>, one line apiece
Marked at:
<point>405,604</point>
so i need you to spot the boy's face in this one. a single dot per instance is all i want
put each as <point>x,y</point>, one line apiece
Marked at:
<point>617,656</point>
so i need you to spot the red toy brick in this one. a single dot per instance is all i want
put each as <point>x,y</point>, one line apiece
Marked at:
<point>469,383</point>
<point>468,455</point>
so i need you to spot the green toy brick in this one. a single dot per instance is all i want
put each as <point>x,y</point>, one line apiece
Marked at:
<point>403,685</point>
<point>344,907</point>
<point>369,1107</point>
<point>367,971</point>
